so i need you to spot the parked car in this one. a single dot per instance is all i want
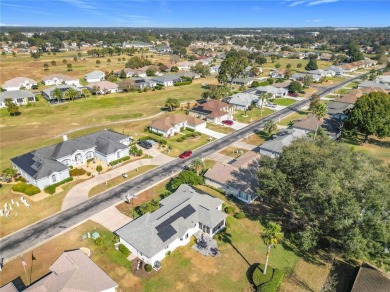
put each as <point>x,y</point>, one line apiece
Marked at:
<point>185,154</point>
<point>145,144</point>
<point>293,94</point>
<point>227,122</point>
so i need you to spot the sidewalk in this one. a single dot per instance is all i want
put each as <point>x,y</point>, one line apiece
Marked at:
<point>79,193</point>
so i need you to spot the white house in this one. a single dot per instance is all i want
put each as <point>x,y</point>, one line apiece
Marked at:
<point>169,125</point>
<point>185,66</point>
<point>275,91</point>
<point>274,147</point>
<point>242,100</point>
<point>181,215</point>
<point>17,83</point>
<point>104,87</point>
<point>19,97</point>
<point>57,79</point>
<point>95,76</point>
<point>167,80</point>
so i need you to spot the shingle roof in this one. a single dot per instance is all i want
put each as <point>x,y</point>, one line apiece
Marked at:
<point>282,139</point>
<point>374,84</point>
<point>104,85</point>
<point>18,81</point>
<point>271,89</point>
<point>211,108</point>
<point>310,123</point>
<point>165,123</point>
<point>59,76</point>
<point>153,232</point>
<point>95,74</point>
<point>369,278</point>
<point>193,121</point>
<point>10,287</point>
<point>243,99</point>
<point>338,107</point>
<point>166,78</point>
<point>15,94</point>
<point>74,271</point>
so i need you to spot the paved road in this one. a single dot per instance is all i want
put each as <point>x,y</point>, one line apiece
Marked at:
<point>37,233</point>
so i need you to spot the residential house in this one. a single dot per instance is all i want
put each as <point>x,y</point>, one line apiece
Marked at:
<point>137,45</point>
<point>142,83</point>
<point>352,96</point>
<point>383,79</point>
<point>325,56</point>
<point>298,77</point>
<point>308,124</point>
<point>195,123</point>
<point>48,92</point>
<point>169,125</point>
<point>278,74</point>
<point>322,73</point>
<point>167,80</point>
<point>349,67</point>
<point>185,66</point>
<point>213,111</point>
<point>371,278</point>
<point>366,84</point>
<point>242,100</point>
<point>192,75</point>
<point>95,76</point>
<point>128,71</point>
<point>74,271</point>
<point>238,178</point>
<point>273,148</point>
<point>242,81</point>
<point>19,97</point>
<point>49,165</point>
<point>336,69</point>
<point>17,83</point>
<point>336,109</point>
<point>182,214</point>
<point>104,87</point>
<point>275,91</point>
<point>214,69</point>
<point>57,79</point>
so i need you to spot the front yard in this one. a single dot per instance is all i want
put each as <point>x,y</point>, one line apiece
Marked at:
<point>252,115</point>
<point>220,128</point>
<point>284,101</point>
<point>298,115</point>
<point>232,152</point>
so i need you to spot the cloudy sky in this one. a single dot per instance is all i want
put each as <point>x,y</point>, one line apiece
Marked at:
<point>199,13</point>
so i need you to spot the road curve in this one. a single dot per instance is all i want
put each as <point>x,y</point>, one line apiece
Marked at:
<point>35,234</point>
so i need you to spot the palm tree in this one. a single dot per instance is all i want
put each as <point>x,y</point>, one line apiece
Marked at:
<point>272,235</point>
<point>197,165</point>
<point>264,97</point>
<point>319,111</point>
<point>57,93</point>
<point>71,93</point>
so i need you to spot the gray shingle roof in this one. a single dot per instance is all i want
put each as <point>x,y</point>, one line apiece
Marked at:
<point>95,75</point>
<point>336,107</point>
<point>243,99</point>
<point>374,84</point>
<point>167,78</point>
<point>369,278</point>
<point>282,139</point>
<point>153,232</point>
<point>271,89</point>
<point>15,94</point>
<point>47,92</point>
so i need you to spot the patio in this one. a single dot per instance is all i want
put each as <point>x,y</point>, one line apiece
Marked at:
<point>205,245</point>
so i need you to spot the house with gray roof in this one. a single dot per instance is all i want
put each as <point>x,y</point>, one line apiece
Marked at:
<point>19,97</point>
<point>49,165</point>
<point>181,215</point>
<point>274,147</point>
<point>48,92</point>
<point>167,80</point>
<point>336,69</point>
<point>95,76</point>
<point>242,100</point>
<point>242,81</point>
<point>337,109</point>
<point>74,271</point>
<point>275,91</point>
<point>366,84</point>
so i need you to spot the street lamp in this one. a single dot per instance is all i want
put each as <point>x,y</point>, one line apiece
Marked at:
<point>131,198</point>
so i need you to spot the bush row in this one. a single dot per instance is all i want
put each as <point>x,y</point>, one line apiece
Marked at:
<point>115,162</point>
<point>77,171</point>
<point>222,192</point>
<point>182,83</point>
<point>190,135</point>
<point>124,250</point>
<point>269,282</point>
<point>52,188</point>
<point>161,141</point>
<point>24,188</point>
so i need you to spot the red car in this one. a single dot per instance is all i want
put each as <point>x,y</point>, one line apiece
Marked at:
<point>227,122</point>
<point>185,154</point>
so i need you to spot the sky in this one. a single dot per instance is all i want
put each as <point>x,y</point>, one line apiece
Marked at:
<point>199,13</point>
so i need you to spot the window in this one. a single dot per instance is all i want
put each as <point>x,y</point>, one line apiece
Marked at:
<point>118,154</point>
<point>186,235</point>
<point>54,178</point>
<point>20,100</point>
<point>31,98</point>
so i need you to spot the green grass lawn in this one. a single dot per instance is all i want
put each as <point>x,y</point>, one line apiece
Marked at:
<point>342,91</point>
<point>294,62</point>
<point>284,101</point>
<point>252,116</point>
<point>379,148</point>
<point>257,139</point>
<point>232,152</point>
<point>298,115</point>
<point>220,128</point>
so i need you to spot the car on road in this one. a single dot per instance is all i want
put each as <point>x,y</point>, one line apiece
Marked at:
<point>185,154</point>
<point>227,122</point>
<point>145,144</point>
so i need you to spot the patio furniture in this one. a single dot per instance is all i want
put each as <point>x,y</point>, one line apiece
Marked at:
<point>95,235</point>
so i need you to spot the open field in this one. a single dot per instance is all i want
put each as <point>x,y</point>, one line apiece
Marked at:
<point>42,124</point>
<point>294,62</point>
<point>252,116</point>
<point>379,148</point>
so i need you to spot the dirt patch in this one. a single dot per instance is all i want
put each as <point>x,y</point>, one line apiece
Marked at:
<point>141,272</point>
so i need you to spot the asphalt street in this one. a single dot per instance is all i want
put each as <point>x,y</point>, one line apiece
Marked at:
<point>39,232</point>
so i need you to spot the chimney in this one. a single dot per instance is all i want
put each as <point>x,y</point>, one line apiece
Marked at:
<point>64,137</point>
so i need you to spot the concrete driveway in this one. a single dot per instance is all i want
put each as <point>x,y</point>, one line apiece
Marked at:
<point>220,157</point>
<point>212,133</point>
<point>237,125</point>
<point>111,218</point>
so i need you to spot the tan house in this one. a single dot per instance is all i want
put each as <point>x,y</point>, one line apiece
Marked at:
<point>213,111</point>
<point>172,125</point>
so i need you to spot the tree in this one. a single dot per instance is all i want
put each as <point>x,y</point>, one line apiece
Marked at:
<point>264,97</point>
<point>312,65</point>
<point>35,55</point>
<point>299,65</point>
<point>46,66</point>
<point>370,115</point>
<point>197,165</point>
<point>307,80</point>
<point>295,86</point>
<point>173,59</point>
<point>12,107</point>
<point>232,67</point>
<point>64,61</point>
<point>122,75</point>
<point>272,235</point>
<point>85,92</point>
<point>98,63</point>
<point>71,93</point>
<point>273,58</point>
<point>127,85</point>
<point>53,63</point>
<point>75,59</point>
<point>185,177</point>
<point>70,67</point>
<point>261,60</point>
<point>162,67</point>
<point>319,111</point>
<point>314,100</point>
<point>331,196</point>
<point>277,65</point>
<point>174,69</point>
<point>108,61</point>
<point>270,127</point>
<point>57,94</point>
<point>288,66</point>
<point>255,71</point>
<point>172,103</point>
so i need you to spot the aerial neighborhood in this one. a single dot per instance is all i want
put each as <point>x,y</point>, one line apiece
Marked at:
<point>194,159</point>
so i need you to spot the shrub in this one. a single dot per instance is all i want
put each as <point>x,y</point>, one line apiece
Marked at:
<point>168,253</point>
<point>190,130</point>
<point>240,215</point>
<point>222,192</point>
<point>181,139</point>
<point>148,268</point>
<point>229,209</point>
<point>273,285</point>
<point>89,173</point>
<point>166,194</point>
<point>99,168</point>
<point>269,282</point>
<point>24,188</point>
<point>115,162</point>
<point>124,250</point>
<point>52,188</point>
<point>90,160</point>
<point>77,172</point>
<point>99,241</point>
<point>182,83</point>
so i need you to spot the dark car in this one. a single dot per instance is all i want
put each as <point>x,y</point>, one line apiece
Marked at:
<point>185,154</point>
<point>145,144</point>
<point>293,94</point>
<point>227,122</point>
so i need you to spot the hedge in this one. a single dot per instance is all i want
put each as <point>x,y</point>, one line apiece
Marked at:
<point>273,285</point>
<point>182,83</point>
<point>222,192</point>
<point>161,141</point>
<point>77,172</point>
<point>124,250</point>
<point>229,209</point>
<point>240,215</point>
<point>27,189</point>
<point>190,130</point>
<point>52,188</point>
<point>269,282</point>
<point>148,268</point>
<point>190,135</point>
<point>115,162</point>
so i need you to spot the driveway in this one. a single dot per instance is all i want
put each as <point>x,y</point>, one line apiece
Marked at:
<point>243,145</point>
<point>212,133</point>
<point>237,125</point>
<point>220,157</point>
<point>79,193</point>
<point>111,218</point>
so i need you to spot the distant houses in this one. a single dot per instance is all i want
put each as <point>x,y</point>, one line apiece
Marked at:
<point>19,97</point>
<point>18,83</point>
<point>167,80</point>
<point>103,87</point>
<point>48,92</point>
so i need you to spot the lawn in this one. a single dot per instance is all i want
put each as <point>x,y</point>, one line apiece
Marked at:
<point>284,101</point>
<point>294,62</point>
<point>379,148</point>
<point>342,91</point>
<point>257,139</point>
<point>253,115</point>
<point>118,180</point>
<point>42,124</point>
<point>232,151</point>
<point>298,115</point>
<point>220,128</point>
<point>22,216</point>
